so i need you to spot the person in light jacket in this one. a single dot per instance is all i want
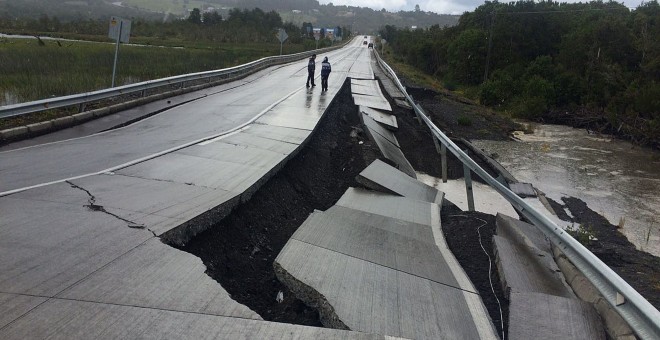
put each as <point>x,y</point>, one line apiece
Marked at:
<point>325,73</point>
<point>311,66</point>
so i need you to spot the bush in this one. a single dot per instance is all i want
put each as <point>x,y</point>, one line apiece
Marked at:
<point>449,85</point>
<point>582,233</point>
<point>464,121</point>
<point>530,107</point>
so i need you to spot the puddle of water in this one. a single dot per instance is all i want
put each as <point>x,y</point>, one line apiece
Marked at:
<point>615,178</point>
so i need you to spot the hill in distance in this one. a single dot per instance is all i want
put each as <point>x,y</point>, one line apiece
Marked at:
<point>362,20</point>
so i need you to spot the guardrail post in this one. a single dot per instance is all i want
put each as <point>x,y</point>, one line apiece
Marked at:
<point>437,144</point>
<point>419,119</point>
<point>443,160</point>
<point>468,187</point>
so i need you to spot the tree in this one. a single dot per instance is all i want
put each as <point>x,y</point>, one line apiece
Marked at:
<point>195,16</point>
<point>466,56</point>
<point>417,9</point>
<point>211,18</point>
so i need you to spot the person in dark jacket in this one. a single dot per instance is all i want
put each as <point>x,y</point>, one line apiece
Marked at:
<point>311,66</point>
<point>325,73</point>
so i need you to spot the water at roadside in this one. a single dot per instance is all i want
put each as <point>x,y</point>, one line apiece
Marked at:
<point>615,178</point>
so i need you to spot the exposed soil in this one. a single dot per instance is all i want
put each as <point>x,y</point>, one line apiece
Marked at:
<point>640,269</point>
<point>462,118</point>
<point>239,251</point>
<point>417,142</point>
<point>466,233</point>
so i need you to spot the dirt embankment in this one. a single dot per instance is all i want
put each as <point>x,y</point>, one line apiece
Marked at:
<point>640,269</point>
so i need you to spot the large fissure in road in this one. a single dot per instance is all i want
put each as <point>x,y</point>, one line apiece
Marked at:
<point>239,250</point>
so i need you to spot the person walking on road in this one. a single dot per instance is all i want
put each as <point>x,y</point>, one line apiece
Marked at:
<point>325,73</point>
<point>311,66</point>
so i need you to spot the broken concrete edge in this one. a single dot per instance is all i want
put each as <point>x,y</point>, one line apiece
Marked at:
<point>540,259</point>
<point>19,133</point>
<point>181,234</point>
<point>615,326</point>
<point>558,318</point>
<point>507,225</point>
<point>310,297</point>
<point>402,103</point>
<point>389,79</point>
<point>544,200</point>
<point>495,165</point>
<point>500,270</point>
<point>369,184</point>
<point>406,167</point>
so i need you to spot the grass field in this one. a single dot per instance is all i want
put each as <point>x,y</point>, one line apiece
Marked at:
<point>31,72</point>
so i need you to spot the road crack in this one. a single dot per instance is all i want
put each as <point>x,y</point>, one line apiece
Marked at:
<point>96,207</point>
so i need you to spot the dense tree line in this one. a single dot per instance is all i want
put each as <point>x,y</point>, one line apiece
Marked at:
<point>241,26</point>
<point>591,64</point>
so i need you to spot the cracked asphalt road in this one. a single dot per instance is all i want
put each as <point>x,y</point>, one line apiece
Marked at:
<point>185,124</point>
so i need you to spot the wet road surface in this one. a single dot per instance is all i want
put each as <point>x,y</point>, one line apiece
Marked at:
<point>204,118</point>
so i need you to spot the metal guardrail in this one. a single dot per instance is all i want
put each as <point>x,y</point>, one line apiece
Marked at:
<point>642,317</point>
<point>84,98</point>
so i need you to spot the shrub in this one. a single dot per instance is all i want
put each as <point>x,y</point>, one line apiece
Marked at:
<point>464,120</point>
<point>582,233</point>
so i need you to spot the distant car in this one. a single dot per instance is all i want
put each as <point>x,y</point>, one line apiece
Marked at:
<point>371,45</point>
<point>365,37</point>
<point>364,42</point>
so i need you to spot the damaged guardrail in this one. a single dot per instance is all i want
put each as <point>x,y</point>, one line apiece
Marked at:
<point>640,315</point>
<point>83,98</point>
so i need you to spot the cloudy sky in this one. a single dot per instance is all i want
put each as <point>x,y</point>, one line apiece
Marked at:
<point>438,6</point>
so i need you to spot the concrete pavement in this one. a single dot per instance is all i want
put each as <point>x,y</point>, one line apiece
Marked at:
<point>79,252</point>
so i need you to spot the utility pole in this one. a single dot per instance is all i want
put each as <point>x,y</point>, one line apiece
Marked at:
<point>490,44</point>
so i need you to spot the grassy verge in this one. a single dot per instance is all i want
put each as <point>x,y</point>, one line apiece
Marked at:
<point>411,74</point>
<point>31,71</point>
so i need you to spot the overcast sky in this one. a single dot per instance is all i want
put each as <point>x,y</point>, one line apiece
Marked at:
<point>438,6</point>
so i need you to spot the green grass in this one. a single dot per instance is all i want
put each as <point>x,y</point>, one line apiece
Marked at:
<point>582,233</point>
<point>410,73</point>
<point>31,72</point>
<point>464,120</point>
